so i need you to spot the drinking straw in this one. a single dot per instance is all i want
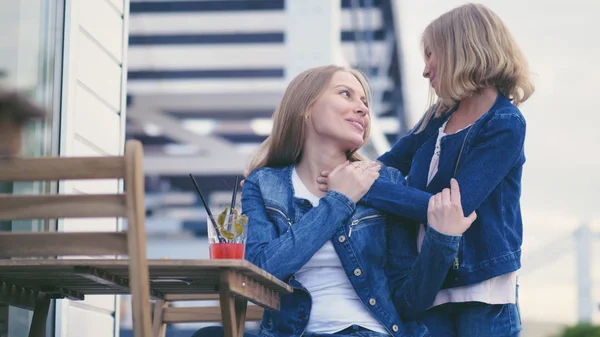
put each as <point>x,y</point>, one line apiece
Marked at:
<point>234,196</point>
<point>210,215</point>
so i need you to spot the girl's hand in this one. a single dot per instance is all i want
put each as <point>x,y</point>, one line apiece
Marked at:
<point>445,212</point>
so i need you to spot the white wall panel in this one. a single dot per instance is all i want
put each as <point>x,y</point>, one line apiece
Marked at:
<point>85,322</point>
<point>97,70</point>
<point>96,122</point>
<point>119,5</point>
<point>92,121</point>
<point>102,22</point>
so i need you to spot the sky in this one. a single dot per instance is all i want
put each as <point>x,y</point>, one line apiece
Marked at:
<point>560,179</point>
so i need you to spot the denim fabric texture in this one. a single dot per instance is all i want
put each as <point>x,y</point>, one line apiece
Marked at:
<point>489,174</point>
<point>473,319</point>
<point>352,331</point>
<point>375,249</point>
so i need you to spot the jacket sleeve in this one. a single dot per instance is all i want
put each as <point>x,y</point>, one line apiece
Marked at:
<point>390,194</point>
<point>416,278</point>
<point>283,254</point>
<point>494,153</point>
<point>400,156</point>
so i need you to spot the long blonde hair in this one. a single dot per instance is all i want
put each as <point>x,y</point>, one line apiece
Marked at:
<point>284,145</point>
<point>474,50</point>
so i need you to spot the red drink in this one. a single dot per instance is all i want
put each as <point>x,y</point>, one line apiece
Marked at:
<point>227,251</point>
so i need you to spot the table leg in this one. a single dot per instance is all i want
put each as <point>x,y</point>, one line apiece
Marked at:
<point>158,326</point>
<point>233,314</point>
<point>228,314</point>
<point>240,311</point>
<point>40,314</point>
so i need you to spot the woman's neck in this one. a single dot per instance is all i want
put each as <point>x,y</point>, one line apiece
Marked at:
<point>317,158</point>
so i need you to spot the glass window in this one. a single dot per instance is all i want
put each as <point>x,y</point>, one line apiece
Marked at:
<point>30,50</point>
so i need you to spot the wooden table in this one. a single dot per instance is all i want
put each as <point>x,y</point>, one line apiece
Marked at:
<point>235,281</point>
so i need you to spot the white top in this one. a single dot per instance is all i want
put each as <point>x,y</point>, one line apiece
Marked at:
<point>335,305</point>
<point>497,290</point>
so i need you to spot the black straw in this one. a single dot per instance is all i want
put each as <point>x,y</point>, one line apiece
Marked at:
<point>210,215</point>
<point>234,196</point>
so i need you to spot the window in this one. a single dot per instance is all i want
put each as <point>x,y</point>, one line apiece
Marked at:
<point>30,61</point>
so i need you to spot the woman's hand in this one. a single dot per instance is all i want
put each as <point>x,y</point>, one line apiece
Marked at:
<point>351,179</point>
<point>246,173</point>
<point>322,181</point>
<point>445,212</point>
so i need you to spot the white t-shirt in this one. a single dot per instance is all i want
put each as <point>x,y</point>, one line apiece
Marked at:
<point>335,305</point>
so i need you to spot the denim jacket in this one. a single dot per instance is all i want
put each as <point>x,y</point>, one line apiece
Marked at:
<point>489,174</point>
<point>284,232</point>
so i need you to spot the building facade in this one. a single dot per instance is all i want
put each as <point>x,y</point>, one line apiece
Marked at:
<point>70,57</point>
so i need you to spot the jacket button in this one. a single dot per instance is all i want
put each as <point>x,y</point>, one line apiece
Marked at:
<point>342,238</point>
<point>357,272</point>
<point>372,301</point>
<point>395,328</point>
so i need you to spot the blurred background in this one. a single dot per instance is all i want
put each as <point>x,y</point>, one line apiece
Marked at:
<point>200,79</point>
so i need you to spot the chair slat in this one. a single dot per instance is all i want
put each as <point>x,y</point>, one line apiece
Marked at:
<point>20,207</point>
<point>205,314</point>
<point>192,297</point>
<point>61,168</point>
<point>39,244</point>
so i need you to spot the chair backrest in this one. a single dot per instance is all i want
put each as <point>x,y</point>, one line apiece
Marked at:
<point>129,204</point>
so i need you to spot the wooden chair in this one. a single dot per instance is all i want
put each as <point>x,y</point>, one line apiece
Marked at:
<point>25,282</point>
<point>165,313</point>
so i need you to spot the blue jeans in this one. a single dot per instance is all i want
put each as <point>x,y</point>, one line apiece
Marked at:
<point>473,319</point>
<point>215,331</point>
<point>352,331</point>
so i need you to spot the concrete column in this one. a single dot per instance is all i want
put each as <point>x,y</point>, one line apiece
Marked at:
<point>313,38</point>
<point>312,35</point>
<point>583,251</point>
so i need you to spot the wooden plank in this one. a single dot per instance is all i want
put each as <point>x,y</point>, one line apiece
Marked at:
<point>21,207</point>
<point>159,326</point>
<point>136,226</point>
<point>17,296</point>
<point>190,269</point>
<point>252,290</point>
<point>227,302</point>
<point>192,297</point>
<point>206,266</point>
<point>205,314</point>
<point>241,309</point>
<point>99,276</point>
<point>59,292</point>
<point>59,243</point>
<point>61,168</point>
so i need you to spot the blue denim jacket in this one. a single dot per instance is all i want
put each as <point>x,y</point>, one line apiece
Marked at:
<point>489,175</point>
<point>284,232</point>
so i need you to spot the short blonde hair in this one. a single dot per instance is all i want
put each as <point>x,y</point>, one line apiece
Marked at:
<point>474,50</point>
<point>284,145</point>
